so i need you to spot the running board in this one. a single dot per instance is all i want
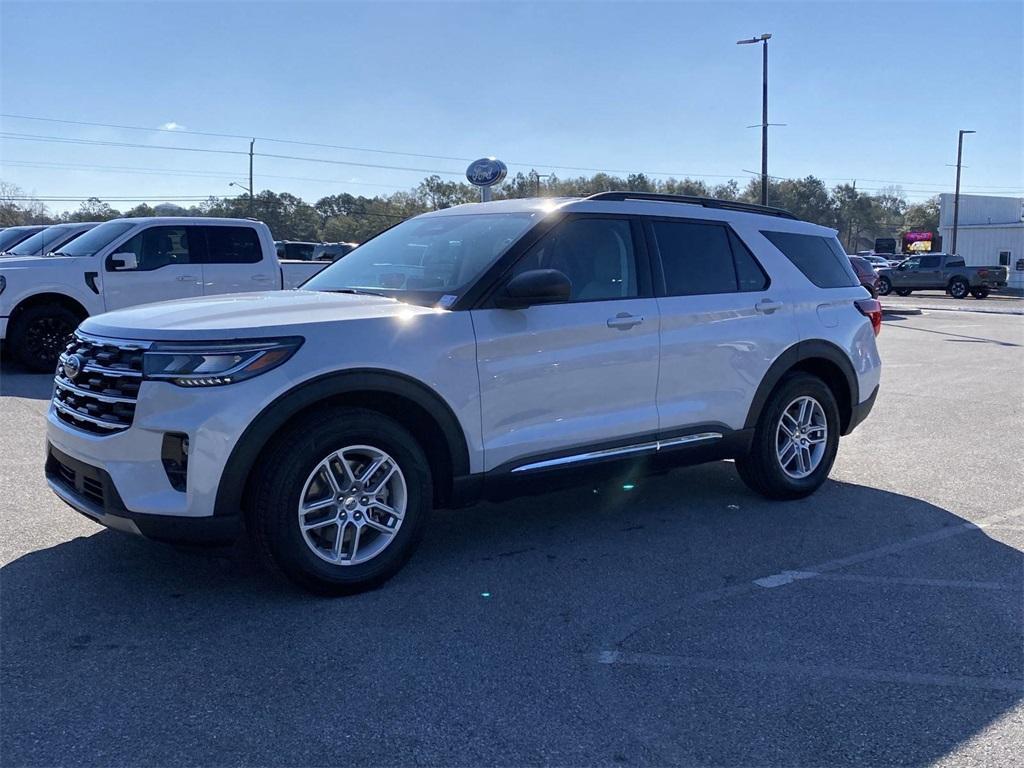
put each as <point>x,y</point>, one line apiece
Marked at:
<point>656,445</point>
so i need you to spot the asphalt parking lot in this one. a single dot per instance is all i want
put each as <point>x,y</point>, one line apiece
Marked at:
<point>683,621</point>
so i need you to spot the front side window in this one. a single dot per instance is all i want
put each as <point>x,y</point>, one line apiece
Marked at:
<point>232,245</point>
<point>96,239</point>
<point>821,259</point>
<point>424,259</point>
<point>157,247</point>
<point>595,254</point>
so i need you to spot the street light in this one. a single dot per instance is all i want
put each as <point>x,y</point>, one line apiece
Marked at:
<point>763,39</point>
<point>956,196</point>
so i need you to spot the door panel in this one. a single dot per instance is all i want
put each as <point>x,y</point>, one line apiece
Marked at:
<point>163,271</point>
<point>560,376</point>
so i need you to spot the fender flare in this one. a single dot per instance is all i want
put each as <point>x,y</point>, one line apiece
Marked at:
<point>276,415</point>
<point>802,351</point>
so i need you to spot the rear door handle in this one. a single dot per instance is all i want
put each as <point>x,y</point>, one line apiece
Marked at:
<point>624,321</point>
<point>185,278</point>
<point>767,306</point>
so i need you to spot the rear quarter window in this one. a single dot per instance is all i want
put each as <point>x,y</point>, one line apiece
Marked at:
<point>821,259</point>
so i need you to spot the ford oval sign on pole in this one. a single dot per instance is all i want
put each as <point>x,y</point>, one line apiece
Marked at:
<point>485,173</point>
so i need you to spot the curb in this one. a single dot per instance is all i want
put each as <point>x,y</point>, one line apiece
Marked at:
<point>900,311</point>
<point>979,311</point>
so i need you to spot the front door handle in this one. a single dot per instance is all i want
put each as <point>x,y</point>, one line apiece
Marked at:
<point>767,306</point>
<point>624,321</point>
<point>186,278</point>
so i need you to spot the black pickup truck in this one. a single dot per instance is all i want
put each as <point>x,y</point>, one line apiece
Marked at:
<point>940,272</point>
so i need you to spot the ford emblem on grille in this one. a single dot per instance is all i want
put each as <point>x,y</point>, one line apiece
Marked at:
<point>72,366</point>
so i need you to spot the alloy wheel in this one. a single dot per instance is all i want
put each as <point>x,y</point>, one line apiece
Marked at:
<point>801,437</point>
<point>352,505</point>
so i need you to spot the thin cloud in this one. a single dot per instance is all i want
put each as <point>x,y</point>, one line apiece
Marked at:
<point>173,126</point>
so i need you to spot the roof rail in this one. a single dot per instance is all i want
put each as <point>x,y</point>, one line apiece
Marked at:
<point>707,202</point>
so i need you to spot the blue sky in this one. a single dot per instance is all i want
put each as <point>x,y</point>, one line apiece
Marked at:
<point>869,91</point>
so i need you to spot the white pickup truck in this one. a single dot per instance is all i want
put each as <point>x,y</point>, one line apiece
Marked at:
<point>133,261</point>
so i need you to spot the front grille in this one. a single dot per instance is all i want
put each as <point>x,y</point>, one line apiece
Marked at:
<point>100,397</point>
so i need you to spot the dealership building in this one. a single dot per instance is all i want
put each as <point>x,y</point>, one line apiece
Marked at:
<point>990,232</point>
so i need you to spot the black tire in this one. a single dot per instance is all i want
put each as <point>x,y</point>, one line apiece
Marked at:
<point>761,469</point>
<point>959,288</point>
<point>980,293</point>
<point>277,485</point>
<point>903,291</point>
<point>39,334</point>
<point>884,286</point>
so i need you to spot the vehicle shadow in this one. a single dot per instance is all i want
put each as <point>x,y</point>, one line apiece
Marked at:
<point>15,381</point>
<point>482,650</point>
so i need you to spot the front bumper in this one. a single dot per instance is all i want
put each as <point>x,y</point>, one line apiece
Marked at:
<point>90,491</point>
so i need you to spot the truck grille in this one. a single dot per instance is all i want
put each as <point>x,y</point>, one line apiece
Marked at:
<point>97,383</point>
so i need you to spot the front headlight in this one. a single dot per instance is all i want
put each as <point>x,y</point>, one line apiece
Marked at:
<point>200,364</point>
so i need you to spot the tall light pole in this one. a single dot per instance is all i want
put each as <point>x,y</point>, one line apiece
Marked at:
<point>956,195</point>
<point>763,39</point>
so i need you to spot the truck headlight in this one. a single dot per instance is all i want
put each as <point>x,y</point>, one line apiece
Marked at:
<point>210,364</point>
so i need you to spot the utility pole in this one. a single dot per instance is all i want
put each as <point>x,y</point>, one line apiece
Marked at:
<point>252,203</point>
<point>956,195</point>
<point>763,39</point>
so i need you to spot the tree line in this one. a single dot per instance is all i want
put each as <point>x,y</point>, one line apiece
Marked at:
<point>859,217</point>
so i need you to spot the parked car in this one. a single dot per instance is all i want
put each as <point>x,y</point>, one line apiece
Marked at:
<point>942,272</point>
<point>11,236</point>
<point>332,251</point>
<point>876,261</point>
<point>124,262</point>
<point>866,274</point>
<point>479,351</point>
<point>294,250</point>
<point>49,239</point>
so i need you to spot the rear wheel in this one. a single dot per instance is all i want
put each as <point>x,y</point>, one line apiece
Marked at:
<point>795,441</point>
<point>340,501</point>
<point>903,292</point>
<point>958,288</point>
<point>39,334</point>
<point>980,293</point>
<point>884,286</point>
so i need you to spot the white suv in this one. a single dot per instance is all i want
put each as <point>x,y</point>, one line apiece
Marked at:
<point>472,352</point>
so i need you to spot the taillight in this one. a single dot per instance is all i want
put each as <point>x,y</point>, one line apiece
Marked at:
<point>872,310</point>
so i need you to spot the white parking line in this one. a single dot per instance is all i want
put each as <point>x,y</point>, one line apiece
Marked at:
<point>623,658</point>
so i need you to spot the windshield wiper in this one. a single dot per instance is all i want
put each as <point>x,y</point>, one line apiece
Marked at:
<point>356,291</point>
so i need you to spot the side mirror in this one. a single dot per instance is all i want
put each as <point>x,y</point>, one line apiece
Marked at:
<point>535,286</point>
<point>125,261</point>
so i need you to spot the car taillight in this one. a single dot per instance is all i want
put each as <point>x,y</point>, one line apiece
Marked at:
<point>872,310</point>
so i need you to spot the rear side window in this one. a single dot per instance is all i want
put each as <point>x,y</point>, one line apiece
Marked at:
<point>821,259</point>
<point>929,262</point>
<point>232,245</point>
<point>956,263</point>
<point>700,259</point>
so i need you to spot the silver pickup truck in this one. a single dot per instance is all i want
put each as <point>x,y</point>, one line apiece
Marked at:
<point>940,272</point>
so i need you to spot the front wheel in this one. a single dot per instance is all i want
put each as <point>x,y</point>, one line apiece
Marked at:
<point>795,441</point>
<point>884,286</point>
<point>340,501</point>
<point>39,334</point>
<point>958,288</point>
<point>980,293</point>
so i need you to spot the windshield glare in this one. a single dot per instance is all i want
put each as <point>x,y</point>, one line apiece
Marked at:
<point>40,242</point>
<point>423,259</point>
<point>96,238</point>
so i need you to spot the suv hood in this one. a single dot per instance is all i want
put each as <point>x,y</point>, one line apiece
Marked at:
<point>244,315</point>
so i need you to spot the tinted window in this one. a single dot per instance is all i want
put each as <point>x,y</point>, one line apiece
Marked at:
<point>232,245</point>
<point>862,267</point>
<point>929,262</point>
<point>955,263</point>
<point>96,239</point>
<point>748,272</point>
<point>595,254</point>
<point>821,259</point>
<point>298,251</point>
<point>158,247</point>
<point>696,258</point>
<point>41,242</point>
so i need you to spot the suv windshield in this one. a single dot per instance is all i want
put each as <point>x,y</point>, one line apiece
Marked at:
<point>423,259</point>
<point>96,239</point>
<point>40,242</point>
